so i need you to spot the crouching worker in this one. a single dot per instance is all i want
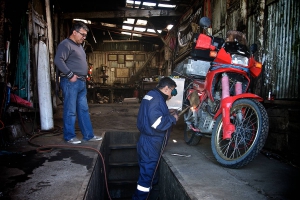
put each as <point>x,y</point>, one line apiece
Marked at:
<point>154,122</point>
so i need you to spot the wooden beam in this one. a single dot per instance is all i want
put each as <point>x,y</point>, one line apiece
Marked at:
<point>119,30</point>
<point>120,14</point>
<point>162,39</point>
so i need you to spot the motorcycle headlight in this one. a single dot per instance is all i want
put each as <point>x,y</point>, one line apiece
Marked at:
<point>239,60</point>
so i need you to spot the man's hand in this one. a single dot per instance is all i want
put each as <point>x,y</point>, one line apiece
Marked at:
<point>176,116</point>
<point>74,78</point>
<point>174,113</point>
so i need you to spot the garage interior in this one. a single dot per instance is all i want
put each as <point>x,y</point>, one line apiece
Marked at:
<point>130,45</point>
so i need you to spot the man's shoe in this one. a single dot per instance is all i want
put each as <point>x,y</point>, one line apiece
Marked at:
<point>74,141</point>
<point>95,138</point>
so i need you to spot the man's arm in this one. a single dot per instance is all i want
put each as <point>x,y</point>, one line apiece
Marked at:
<point>61,56</point>
<point>160,120</point>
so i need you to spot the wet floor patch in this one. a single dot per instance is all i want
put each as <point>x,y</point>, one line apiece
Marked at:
<point>76,157</point>
<point>17,166</point>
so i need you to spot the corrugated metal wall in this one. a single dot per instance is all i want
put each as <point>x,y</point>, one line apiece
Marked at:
<point>282,42</point>
<point>255,34</point>
<point>274,26</point>
<point>218,16</point>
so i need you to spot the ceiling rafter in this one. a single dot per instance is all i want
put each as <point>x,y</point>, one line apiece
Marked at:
<point>124,30</point>
<point>113,15</point>
<point>121,14</point>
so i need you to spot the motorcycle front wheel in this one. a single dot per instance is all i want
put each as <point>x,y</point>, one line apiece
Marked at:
<point>251,130</point>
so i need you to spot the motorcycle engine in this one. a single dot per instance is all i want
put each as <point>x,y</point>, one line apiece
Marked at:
<point>205,115</point>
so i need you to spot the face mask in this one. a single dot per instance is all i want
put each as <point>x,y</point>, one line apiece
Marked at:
<point>174,92</point>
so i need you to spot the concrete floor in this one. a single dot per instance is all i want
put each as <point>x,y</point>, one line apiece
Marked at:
<point>64,173</point>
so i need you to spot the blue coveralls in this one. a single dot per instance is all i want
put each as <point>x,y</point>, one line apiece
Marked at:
<point>154,122</point>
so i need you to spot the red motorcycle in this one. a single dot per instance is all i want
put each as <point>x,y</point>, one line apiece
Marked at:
<point>217,102</point>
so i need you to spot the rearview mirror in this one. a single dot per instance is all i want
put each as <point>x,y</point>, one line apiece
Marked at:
<point>253,48</point>
<point>205,22</point>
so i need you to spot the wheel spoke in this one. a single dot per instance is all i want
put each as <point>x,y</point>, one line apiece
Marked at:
<point>245,120</point>
<point>251,127</point>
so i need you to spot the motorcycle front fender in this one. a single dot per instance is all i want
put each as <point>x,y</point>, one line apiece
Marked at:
<point>229,128</point>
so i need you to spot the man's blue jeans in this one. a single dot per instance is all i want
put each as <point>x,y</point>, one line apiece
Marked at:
<point>75,102</point>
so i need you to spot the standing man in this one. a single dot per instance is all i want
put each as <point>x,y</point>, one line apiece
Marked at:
<point>70,59</point>
<point>154,122</point>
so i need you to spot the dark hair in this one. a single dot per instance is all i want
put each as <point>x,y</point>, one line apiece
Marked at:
<point>78,25</point>
<point>166,81</point>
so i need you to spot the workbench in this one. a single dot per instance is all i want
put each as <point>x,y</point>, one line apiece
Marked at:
<point>110,91</point>
<point>146,87</point>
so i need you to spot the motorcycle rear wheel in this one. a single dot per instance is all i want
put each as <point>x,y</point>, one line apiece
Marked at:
<point>191,137</point>
<point>251,130</point>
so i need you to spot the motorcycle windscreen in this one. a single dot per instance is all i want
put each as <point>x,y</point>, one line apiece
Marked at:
<point>223,57</point>
<point>236,36</point>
